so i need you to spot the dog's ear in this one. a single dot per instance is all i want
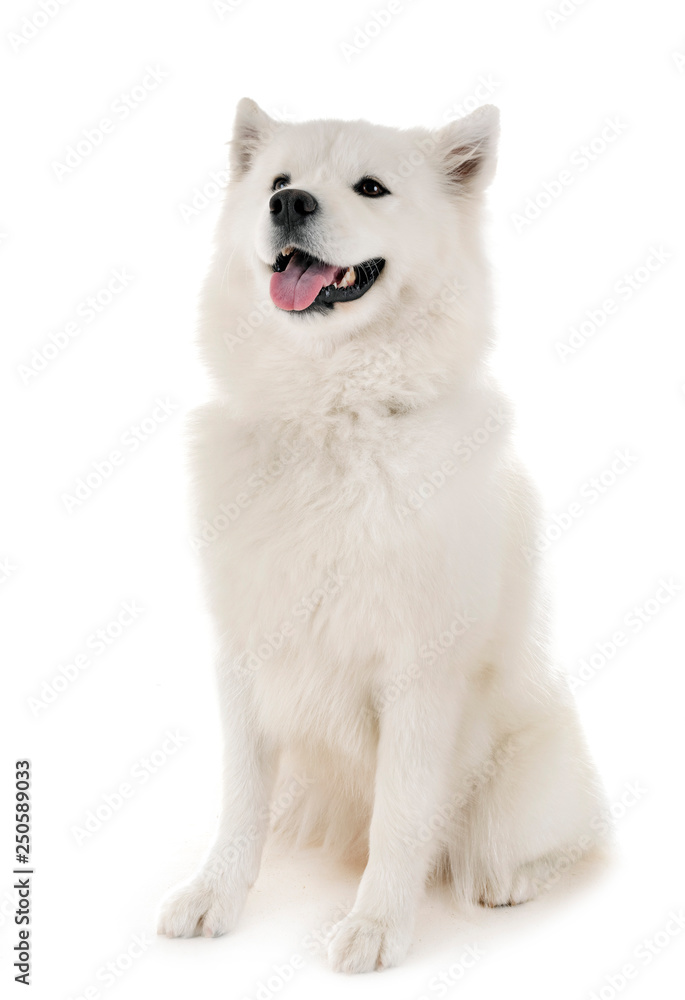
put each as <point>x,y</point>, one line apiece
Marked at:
<point>251,130</point>
<point>468,148</point>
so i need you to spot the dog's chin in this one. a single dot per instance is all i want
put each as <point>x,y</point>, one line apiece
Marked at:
<point>304,286</point>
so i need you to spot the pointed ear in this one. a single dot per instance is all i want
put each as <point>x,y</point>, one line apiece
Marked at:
<point>251,130</point>
<point>468,149</point>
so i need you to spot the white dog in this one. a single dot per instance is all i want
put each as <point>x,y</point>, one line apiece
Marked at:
<point>366,534</point>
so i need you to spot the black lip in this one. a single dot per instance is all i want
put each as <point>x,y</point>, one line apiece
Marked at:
<point>366,274</point>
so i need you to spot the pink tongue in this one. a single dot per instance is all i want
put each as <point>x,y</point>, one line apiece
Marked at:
<point>301,282</point>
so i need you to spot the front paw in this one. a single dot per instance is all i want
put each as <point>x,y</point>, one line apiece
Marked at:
<point>203,905</point>
<point>362,944</point>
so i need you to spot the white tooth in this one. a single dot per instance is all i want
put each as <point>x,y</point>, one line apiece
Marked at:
<point>286,251</point>
<point>348,278</point>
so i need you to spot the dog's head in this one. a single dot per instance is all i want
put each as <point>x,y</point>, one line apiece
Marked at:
<point>340,223</point>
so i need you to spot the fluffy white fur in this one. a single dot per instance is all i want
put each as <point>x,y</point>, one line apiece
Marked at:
<point>379,630</point>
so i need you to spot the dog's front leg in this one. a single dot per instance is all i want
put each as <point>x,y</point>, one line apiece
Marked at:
<point>210,902</point>
<point>416,734</point>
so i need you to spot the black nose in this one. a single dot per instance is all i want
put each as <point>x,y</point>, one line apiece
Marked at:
<point>291,207</point>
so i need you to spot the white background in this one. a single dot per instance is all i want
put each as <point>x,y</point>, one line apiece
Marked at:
<point>67,573</point>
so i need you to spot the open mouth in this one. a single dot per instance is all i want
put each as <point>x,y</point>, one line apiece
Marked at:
<point>300,280</point>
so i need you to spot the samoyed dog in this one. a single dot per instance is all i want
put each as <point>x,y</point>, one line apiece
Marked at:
<point>368,537</point>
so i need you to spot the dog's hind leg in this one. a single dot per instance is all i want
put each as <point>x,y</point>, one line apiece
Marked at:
<point>533,819</point>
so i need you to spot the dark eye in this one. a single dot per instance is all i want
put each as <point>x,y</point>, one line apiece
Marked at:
<point>281,181</point>
<point>370,188</point>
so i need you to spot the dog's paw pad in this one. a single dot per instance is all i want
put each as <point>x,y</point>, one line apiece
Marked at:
<point>362,944</point>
